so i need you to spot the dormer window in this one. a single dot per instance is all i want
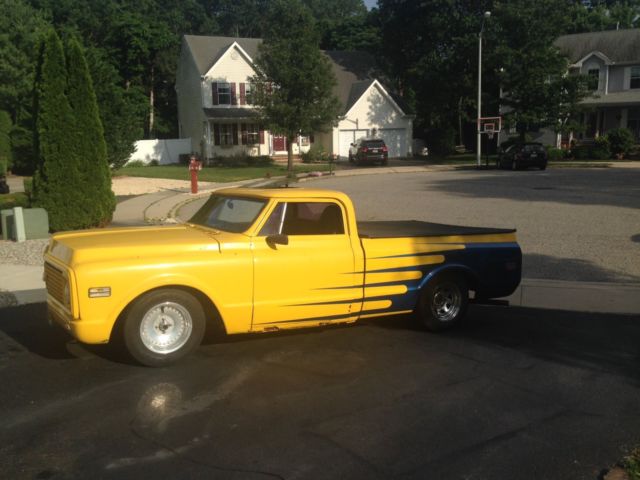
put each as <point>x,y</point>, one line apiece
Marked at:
<point>594,78</point>
<point>634,81</point>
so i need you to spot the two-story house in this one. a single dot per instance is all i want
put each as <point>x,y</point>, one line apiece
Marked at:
<point>215,109</point>
<point>612,59</point>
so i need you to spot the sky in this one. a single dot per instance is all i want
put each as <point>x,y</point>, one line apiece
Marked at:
<point>370,3</point>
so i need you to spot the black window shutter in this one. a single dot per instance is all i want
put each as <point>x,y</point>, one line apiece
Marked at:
<point>234,99</point>
<point>214,93</point>
<point>235,134</point>
<point>216,134</point>
<point>243,133</point>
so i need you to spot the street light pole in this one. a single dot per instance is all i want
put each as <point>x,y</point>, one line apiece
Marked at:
<point>479,144</point>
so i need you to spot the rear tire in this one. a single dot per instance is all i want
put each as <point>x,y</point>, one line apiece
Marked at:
<point>163,326</point>
<point>443,302</point>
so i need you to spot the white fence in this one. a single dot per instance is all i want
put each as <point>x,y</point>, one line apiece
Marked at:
<point>164,151</point>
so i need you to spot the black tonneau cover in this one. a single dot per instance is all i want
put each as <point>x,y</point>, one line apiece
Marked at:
<point>414,228</point>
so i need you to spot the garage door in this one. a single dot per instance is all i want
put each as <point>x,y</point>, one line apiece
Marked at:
<point>396,140</point>
<point>347,137</point>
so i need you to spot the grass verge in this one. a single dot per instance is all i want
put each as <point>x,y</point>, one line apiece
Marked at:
<point>217,174</point>
<point>10,200</point>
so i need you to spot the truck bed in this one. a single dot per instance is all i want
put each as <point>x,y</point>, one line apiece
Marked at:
<point>414,228</point>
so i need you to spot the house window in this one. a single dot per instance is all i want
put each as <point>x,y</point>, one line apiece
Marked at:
<point>226,134</point>
<point>304,141</point>
<point>635,78</point>
<point>594,78</point>
<point>250,134</point>
<point>246,90</point>
<point>224,94</point>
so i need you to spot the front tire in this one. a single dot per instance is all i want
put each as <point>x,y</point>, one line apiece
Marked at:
<point>163,326</point>
<point>443,303</point>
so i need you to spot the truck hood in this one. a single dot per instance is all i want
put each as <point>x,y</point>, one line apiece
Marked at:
<point>130,242</point>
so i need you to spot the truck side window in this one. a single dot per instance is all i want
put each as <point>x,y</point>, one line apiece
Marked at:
<point>305,218</point>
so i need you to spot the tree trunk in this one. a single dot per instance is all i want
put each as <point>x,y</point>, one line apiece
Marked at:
<point>151,103</point>
<point>290,156</point>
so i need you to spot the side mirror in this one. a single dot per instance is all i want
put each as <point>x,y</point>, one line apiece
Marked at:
<point>273,240</point>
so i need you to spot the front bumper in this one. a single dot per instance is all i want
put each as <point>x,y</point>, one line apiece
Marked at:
<point>83,330</point>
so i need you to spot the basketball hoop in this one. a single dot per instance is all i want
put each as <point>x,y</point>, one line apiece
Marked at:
<point>490,125</point>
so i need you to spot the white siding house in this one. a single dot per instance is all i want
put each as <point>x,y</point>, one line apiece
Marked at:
<point>215,112</point>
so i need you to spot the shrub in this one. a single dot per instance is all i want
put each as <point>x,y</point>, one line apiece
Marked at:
<point>601,149</point>
<point>441,140</point>
<point>554,154</point>
<point>135,163</point>
<point>154,163</point>
<point>581,152</point>
<point>316,154</point>
<point>23,158</point>
<point>5,142</point>
<point>621,141</point>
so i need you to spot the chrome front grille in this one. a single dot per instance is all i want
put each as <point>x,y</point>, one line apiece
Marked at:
<point>55,281</point>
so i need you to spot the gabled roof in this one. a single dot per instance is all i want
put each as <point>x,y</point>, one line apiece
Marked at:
<point>206,51</point>
<point>620,46</point>
<point>354,71</point>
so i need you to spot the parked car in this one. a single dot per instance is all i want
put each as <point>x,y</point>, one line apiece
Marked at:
<point>523,155</point>
<point>369,150</point>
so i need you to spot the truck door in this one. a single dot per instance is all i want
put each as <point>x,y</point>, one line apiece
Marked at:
<point>304,267</point>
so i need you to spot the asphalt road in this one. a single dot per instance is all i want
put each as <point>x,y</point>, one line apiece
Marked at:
<point>514,393</point>
<point>573,224</point>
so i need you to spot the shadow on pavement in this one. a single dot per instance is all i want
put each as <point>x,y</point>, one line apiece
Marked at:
<point>600,342</point>
<point>570,269</point>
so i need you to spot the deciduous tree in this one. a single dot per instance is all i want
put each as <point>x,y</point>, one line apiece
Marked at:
<point>294,80</point>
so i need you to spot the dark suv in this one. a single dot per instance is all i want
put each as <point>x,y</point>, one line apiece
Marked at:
<point>523,155</point>
<point>369,150</point>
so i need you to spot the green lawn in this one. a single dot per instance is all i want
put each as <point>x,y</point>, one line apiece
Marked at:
<point>10,200</point>
<point>216,174</point>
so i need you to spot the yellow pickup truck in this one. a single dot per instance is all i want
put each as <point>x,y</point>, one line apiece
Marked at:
<point>262,260</point>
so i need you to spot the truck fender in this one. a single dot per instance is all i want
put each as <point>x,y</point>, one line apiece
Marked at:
<point>454,268</point>
<point>157,282</point>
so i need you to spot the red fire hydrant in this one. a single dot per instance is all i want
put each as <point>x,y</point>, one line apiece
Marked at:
<point>194,166</point>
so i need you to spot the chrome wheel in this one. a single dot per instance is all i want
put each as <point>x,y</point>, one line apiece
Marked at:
<point>447,301</point>
<point>166,327</point>
<point>443,302</point>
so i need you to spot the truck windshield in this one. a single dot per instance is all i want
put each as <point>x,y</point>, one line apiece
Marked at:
<point>229,214</point>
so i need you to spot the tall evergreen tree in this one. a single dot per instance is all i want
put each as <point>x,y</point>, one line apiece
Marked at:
<point>91,149</point>
<point>294,80</point>
<point>58,177</point>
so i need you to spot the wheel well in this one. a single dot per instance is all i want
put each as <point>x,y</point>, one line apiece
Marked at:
<point>467,275</point>
<point>215,324</point>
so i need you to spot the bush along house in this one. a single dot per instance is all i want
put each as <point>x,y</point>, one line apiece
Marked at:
<point>216,113</point>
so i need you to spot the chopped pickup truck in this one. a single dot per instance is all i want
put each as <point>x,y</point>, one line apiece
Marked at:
<point>262,260</point>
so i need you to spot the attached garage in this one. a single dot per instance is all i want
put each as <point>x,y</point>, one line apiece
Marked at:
<point>370,111</point>
<point>346,138</point>
<point>396,141</point>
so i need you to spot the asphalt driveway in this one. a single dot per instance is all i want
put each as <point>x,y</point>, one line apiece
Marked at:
<point>515,393</point>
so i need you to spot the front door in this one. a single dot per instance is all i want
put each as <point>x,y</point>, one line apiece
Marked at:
<point>279,143</point>
<point>307,275</point>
